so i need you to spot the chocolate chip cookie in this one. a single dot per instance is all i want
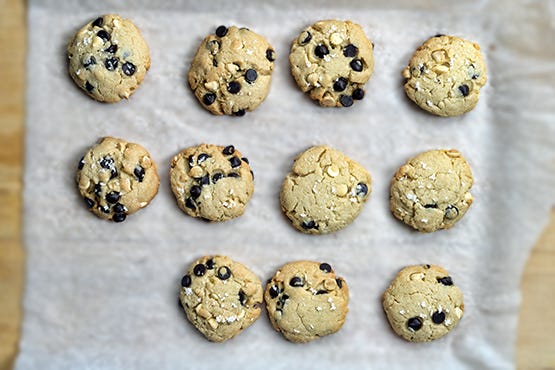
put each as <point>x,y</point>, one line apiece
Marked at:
<point>306,300</point>
<point>445,75</point>
<point>232,70</point>
<point>325,191</point>
<point>422,303</point>
<point>220,297</point>
<point>331,61</point>
<point>211,182</point>
<point>432,190</point>
<point>108,58</point>
<point>117,178</point>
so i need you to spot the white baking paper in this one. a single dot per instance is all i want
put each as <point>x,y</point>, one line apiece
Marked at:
<point>104,296</point>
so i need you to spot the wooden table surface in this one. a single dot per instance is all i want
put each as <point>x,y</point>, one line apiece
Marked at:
<point>536,336</point>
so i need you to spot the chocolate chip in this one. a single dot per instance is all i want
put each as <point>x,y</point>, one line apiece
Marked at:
<point>214,62</point>
<point>234,87</point>
<point>321,292</point>
<point>139,171</point>
<point>358,94</point>
<point>104,209</point>
<point>273,291</point>
<point>233,174</point>
<point>307,38</point>
<point>205,180</point>
<point>340,84</point>
<point>195,191</point>
<point>427,266</point>
<point>451,212</point>
<point>202,157</point>
<point>98,22</point>
<point>209,98</point>
<point>430,205</point>
<point>210,264</point>
<point>296,282</point>
<point>464,89</point>
<point>446,280</point>
<point>439,35</point>
<point>361,189</point>
<point>284,298</point>
<point>98,190</point>
<point>270,55</point>
<point>239,113</point>
<point>89,202</point>
<point>242,297</point>
<point>112,197</point>
<point>235,162</point>
<point>224,273</point>
<point>103,35</point>
<point>113,173</point>
<point>325,267</point>
<point>350,51</point>
<point>111,64</point>
<point>199,270</point>
<point>346,100</point>
<point>191,161</point>
<point>216,177</point>
<point>119,208</point>
<point>128,68</point>
<point>107,162</point>
<point>308,225</point>
<point>356,65</point>
<point>414,323</point>
<point>88,86</point>
<point>422,68</point>
<point>245,159</point>
<point>81,163</point>
<point>189,203</point>
<point>90,62</point>
<point>119,217</point>
<point>321,51</point>
<point>339,283</point>
<point>112,49</point>
<point>251,75</point>
<point>229,150</point>
<point>252,174</point>
<point>186,281</point>
<point>438,317</point>
<point>221,31</point>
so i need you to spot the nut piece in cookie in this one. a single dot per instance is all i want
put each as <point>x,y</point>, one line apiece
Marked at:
<point>306,300</point>
<point>108,58</point>
<point>325,191</point>
<point>432,190</point>
<point>332,61</point>
<point>445,75</point>
<point>232,70</point>
<point>422,303</point>
<point>211,182</point>
<point>220,297</point>
<point>116,178</point>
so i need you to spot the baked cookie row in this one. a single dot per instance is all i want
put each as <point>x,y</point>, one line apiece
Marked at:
<point>231,71</point>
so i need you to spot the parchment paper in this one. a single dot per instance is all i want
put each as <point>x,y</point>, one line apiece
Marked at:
<point>103,295</point>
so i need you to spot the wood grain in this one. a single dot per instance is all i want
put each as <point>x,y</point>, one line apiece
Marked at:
<point>536,338</point>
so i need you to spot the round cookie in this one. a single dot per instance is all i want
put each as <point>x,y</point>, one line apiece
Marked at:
<point>331,61</point>
<point>431,191</point>
<point>221,297</point>
<point>108,58</point>
<point>325,191</point>
<point>211,182</point>
<point>232,70</point>
<point>422,303</point>
<point>117,178</point>
<point>445,74</point>
<point>306,300</point>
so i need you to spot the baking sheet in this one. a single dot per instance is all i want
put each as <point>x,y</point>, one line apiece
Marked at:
<point>102,295</point>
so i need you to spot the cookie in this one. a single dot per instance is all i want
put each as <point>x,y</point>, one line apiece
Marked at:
<point>325,191</point>
<point>220,297</point>
<point>432,190</point>
<point>422,303</point>
<point>117,178</point>
<point>445,75</point>
<point>211,182</point>
<point>306,300</point>
<point>232,70</point>
<point>331,61</point>
<point>108,58</point>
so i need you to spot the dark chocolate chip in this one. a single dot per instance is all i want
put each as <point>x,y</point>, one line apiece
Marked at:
<point>103,35</point>
<point>107,162</point>
<point>224,273</point>
<point>221,31</point>
<point>427,266</point>
<point>464,89</point>
<point>111,64</point>
<point>439,35</point>
<point>112,197</point>
<point>139,171</point>
<point>296,282</point>
<point>340,84</point>
<point>98,22</point>
<point>98,190</point>
<point>273,291</point>
<point>210,264</point>
<point>119,217</point>
<point>104,209</point>
<point>325,267</point>
<point>358,94</point>
<point>88,86</point>
<point>189,203</point>
<point>113,173</point>
<point>214,62</point>
<point>186,281</point>
<point>81,163</point>
<point>307,38</point>
<point>252,174</point>
<point>245,159</point>
<point>451,212</point>
<point>119,208</point>
<point>346,100</point>
<point>321,292</point>
<point>199,270</point>
<point>446,280</point>
<point>112,49</point>
<point>356,65</point>
<point>438,317</point>
<point>430,205</point>
<point>195,191</point>
<point>361,189</point>
<point>239,113</point>
<point>308,225</point>
<point>229,150</point>
<point>209,98</point>
<point>339,283</point>
<point>216,177</point>
<point>234,174</point>
<point>321,51</point>
<point>90,62</point>
<point>235,162</point>
<point>205,180</point>
<point>234,87</point>
<point>350,51</point>
<point>251,75</point>
<point>242,297</point>
<point>284,298</point>
<point>191,161</point>
<point>202,157</point>
<point>414,323</point>
<point>128,68</point>
<point>270,55</point>
<point>89,202</point>
<point>422,68</point>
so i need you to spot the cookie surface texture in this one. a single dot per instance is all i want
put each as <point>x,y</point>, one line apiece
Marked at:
<point>422,303</point>
<point>220,297</point>
<point>306,300</point>
<point>331,61</point>
<point>117,178</point>
<point>445,75</point>
<point>232,70</point>
<point>108,58</point>
<point>211,182</point>
<point>325,191</point>
<point>432,190</point>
